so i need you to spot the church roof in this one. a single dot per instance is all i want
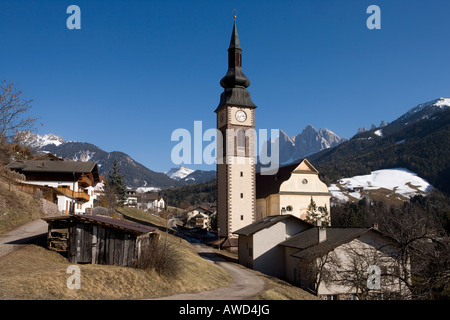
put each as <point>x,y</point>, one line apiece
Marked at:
<point>270,184</point>
<point>234,42</point>
<point>235,82</point>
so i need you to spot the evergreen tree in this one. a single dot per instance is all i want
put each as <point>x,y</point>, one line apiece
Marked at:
<point>315,213</point>
<point>115,188</point>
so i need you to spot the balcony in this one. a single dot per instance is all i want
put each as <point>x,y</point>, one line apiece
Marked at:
<point>80,196</point>
<point>85,181</point>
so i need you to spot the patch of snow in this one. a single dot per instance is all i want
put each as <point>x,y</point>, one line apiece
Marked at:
<point>397,180</point>
<point>147,189</point>
<point>83,156</point>
<point>442,103</point>
<point>379,133</point>
<point>355,194</point>
<point>337,193</point>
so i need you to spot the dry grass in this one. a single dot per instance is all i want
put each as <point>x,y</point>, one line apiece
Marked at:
<point>140,215</point>
<point>34,272</point>
<point>276,289</point>
<point>16,207</point>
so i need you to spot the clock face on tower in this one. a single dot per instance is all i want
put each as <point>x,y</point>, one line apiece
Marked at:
<point>241,116</point>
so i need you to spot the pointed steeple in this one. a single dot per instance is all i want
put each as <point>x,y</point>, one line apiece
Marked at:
<point>235,82</point>
<point>234,43</point>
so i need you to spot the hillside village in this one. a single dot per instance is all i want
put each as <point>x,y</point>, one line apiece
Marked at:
<point>338,224</point>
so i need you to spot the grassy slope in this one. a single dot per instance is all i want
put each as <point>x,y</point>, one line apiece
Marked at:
<point>16,207</point>
<point>275,289</point>
<point>34,272</point>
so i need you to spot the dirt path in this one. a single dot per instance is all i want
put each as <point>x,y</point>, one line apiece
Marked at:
<point>23,234</point>
<point>245,284</point>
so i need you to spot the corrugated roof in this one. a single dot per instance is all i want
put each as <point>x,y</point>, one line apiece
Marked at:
<point>308,240</point>
<point>52,166</point>
<point>128,226</point>
<point>266,223</point>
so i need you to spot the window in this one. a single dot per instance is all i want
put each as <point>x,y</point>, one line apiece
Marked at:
<point>242,195</point>
<point>305,181</point>
<point>289,208</point>
<point>242,174</point>
<point>241,143</point>
<point>241,138</point>
<point>242,217</point>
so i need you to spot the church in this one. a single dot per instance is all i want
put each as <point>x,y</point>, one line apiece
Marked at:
<point>279,224</point>
<point>243,195</point>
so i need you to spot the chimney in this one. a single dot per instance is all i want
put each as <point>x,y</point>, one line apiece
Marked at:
<point>321,231</point>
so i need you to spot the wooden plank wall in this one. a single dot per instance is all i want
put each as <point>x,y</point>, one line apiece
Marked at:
<point>89,243</point>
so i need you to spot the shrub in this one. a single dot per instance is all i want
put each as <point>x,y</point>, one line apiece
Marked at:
<point>160,256</point>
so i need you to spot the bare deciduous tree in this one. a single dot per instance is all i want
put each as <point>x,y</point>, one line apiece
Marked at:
<point>423,243</point>
<point>13,109</point>
<point>345,268</point>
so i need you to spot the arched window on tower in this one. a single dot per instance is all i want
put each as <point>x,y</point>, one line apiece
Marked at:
<point>238,59</point>
<point>241,142</point>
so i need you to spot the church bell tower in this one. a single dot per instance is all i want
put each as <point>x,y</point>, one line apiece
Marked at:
<point>236,194</point>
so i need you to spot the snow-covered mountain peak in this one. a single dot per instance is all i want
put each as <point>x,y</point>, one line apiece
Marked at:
<point>35,141</point>
<point>427,108</point>
<point>441,103</point>
<point>179,173</point>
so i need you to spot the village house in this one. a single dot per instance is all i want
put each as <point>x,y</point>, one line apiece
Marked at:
<point>330,262</point>
<point>198,217</point>
<point>72,182</point>
<point>258,242</point>
<point>150,201</point>
<point>290,190</point>
<point>131,198</point>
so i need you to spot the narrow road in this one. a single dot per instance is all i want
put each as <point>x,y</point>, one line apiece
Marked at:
<point>245,284</point>
<point>23,234</point>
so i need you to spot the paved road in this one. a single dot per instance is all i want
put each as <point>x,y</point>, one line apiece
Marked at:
<point>245,284</point>
<point>21,235</point>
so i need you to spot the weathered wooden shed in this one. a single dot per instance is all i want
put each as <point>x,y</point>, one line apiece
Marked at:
<point>98,239</point>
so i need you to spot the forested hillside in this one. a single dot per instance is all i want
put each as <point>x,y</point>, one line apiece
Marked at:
<point>422,147</point>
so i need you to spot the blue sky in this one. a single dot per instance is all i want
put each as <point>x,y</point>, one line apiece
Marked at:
<point>138,70</point>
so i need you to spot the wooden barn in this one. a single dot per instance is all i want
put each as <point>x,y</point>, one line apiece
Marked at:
<point>98,239</point>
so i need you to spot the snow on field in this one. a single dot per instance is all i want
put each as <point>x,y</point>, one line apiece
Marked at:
<point>399,180</point>
<point>147,189</point>
<point>337,193</point>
